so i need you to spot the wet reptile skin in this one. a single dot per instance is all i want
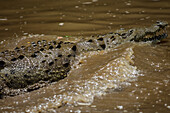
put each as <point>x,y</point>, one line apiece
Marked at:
<point>28,68</point>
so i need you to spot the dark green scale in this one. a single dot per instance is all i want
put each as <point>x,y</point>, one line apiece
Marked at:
<point>50,69</point>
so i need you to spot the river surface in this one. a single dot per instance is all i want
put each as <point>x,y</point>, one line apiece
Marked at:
<point>128,78</point>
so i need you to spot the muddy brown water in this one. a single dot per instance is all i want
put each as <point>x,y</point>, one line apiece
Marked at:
<point>128,78</point>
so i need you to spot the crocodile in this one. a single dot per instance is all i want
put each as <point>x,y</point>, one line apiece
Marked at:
<point>31,67</point>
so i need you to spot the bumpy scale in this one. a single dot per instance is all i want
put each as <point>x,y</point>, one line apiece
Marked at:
<point>44,62</point>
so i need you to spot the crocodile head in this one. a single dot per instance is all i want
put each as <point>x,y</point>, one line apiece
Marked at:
<point>154,33</point>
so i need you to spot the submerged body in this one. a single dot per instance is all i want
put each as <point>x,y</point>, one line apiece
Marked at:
<point>29,68</point>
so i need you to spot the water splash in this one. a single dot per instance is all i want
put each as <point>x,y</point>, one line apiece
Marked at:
<point>80,89</point>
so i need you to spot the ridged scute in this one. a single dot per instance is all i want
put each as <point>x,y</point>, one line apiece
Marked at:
<point>49,61</point>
